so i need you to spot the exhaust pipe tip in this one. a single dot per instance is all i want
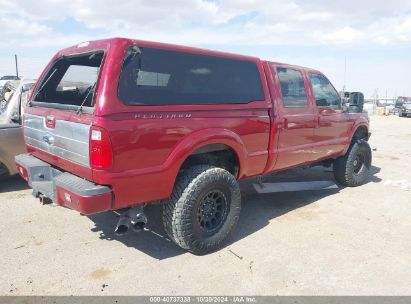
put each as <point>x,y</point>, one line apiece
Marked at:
<point>123,226</point>
<point>139,222</point>
<point>121,230</point>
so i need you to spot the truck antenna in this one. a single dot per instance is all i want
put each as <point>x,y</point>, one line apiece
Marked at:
<point>345,72</point>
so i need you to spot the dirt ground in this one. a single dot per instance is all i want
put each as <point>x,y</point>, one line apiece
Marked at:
<point>338,241</point>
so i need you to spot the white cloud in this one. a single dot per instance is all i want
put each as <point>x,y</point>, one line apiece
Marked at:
<point>346,35</point>
<point>344,24</point>
<point>13,26</point>
<point>226,21</point>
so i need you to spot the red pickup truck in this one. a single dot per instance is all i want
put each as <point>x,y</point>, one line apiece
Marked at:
<point>117,124</point>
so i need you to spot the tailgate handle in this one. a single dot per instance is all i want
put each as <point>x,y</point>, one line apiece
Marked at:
<point>50,121</point>
<point>283,125</point>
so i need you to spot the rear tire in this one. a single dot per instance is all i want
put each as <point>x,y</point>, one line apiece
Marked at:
<point>353,168</point>
<point>203,209</point>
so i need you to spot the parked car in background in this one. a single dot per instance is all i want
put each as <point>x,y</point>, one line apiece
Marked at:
<point>154,122</point>
<point>12,101</point>
<point>5,79</point>
<point>403,106</point>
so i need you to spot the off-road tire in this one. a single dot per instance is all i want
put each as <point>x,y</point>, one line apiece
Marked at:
<point>180,212</point>
<point>353,168</point>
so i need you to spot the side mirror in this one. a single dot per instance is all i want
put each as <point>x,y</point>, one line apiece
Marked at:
<point>15,118</point>
<point>26,87</point>
<point>356,102</point>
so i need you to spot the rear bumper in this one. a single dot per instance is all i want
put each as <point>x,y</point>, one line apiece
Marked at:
<point>63,188</point>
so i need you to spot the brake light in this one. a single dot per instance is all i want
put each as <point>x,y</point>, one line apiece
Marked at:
<point>101,155</point>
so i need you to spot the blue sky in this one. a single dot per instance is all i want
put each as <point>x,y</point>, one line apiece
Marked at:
<point>375,38</point>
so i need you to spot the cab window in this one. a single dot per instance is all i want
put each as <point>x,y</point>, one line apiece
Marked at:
<point>324,92</point>
<point>292,88</point>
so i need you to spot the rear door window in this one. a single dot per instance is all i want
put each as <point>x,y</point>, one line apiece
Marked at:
<point>162,77</point>
<point>292,88</point>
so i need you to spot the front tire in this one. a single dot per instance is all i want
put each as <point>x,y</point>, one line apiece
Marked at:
<point>354,167</point>
<point>203,210</point>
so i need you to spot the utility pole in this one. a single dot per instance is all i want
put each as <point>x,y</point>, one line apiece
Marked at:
<point>17,67</point>
<point>376,99</point>
<point>386,96</point>
<point>345,72</point>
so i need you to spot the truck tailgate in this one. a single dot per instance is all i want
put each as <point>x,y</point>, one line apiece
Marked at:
<point>66,145</point>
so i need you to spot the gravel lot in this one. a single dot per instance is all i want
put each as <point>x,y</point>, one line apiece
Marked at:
<point>344,241</point>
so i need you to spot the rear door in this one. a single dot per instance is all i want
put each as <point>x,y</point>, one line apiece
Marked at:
<point>295,118</point>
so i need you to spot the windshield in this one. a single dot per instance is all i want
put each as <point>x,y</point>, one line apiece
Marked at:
<point>5,97</point>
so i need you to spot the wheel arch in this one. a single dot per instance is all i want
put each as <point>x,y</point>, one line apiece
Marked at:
<point>209,141</point>
<point>219,155</point>
<point>361,132</point>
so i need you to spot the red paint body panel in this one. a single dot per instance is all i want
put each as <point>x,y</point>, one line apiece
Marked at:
<point>150,143</point>
<point>148,152</point>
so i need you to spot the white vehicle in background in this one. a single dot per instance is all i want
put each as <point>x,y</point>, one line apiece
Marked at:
<point>5,79</point>
<point>13,99</point>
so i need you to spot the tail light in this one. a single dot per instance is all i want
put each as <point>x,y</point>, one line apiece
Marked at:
<point>101,155</point>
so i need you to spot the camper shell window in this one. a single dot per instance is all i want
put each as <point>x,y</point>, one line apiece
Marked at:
<point>70,82</point>
<point>152,76</point>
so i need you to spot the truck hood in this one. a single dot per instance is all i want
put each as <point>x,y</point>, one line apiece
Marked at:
<point>407,106</point>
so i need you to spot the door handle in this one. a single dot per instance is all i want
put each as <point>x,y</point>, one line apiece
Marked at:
<point>283,124</point>
<point>318,120</point>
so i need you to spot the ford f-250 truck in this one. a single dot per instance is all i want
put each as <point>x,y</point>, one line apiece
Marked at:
<point>117,124</point>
